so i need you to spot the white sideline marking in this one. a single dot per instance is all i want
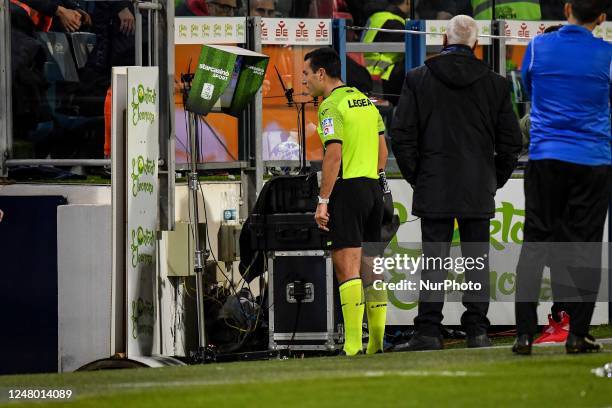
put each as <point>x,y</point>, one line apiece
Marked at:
<point>189,383</point>
<point>370,373</point>
<point>420,373</point>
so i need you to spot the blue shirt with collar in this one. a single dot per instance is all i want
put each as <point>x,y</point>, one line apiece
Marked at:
<point>568,74</point>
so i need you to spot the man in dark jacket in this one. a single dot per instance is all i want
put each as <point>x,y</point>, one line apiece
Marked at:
<point>456,141</point>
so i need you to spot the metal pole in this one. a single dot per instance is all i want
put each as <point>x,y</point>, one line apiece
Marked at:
<point>339,43</point>
<point>415,45</point>
<point>303,141</point>
<point>498,48</point>
<point>138,34</point>
<point>155,35</point>
<point>163,57</point>
<point>6,113</point>
<point>258,114</point>
<point>250,145</point>
<point>407,48</point>
<point>149,39</point>
<point>199,255</point>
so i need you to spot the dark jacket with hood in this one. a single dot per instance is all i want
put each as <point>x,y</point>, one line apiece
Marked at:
<point>455,136</point>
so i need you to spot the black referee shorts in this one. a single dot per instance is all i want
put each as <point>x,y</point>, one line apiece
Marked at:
<point>355,213</point>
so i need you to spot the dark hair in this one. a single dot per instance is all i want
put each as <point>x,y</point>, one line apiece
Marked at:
<point>326,58</point>
<point>552,29</point>
<point>587,11</point>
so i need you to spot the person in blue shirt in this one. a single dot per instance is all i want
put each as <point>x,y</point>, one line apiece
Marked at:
<point>567,180</point>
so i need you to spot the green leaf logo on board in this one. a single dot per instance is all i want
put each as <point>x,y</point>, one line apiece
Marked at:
<point>240,30</point>
<point>141,238</point>
<point>143,104</point>
<point>142,168</point>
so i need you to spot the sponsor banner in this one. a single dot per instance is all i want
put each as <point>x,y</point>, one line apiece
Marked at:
<point>526,30</point>
<point>529,29</point>
<point>142,207</point>
<point>210,30</point>
<point>291,31</point>
<point>484,28</point>
<point>523,31</point>
<point>506,237</point>
<point>232,30</point>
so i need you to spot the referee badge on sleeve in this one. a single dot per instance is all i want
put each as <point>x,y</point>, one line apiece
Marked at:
<point>328,127</point>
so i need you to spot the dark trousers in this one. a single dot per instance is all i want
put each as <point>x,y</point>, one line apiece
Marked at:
<point>568,201</point>
<point>437,235</point>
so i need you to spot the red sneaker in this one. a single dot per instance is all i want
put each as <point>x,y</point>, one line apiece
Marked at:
<point>547,331</point>
<point>560,335</point>
<point>555,332</point>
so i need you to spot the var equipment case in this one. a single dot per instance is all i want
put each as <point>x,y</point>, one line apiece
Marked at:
<point>303,301</point>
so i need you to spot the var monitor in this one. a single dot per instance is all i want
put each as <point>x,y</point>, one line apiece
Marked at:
<point>226,79</point>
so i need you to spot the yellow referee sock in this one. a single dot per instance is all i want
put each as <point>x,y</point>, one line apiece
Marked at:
<point>351,298</point>
<point>376,308</point>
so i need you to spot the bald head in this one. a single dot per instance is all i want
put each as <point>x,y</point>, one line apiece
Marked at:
<point>462,30</point>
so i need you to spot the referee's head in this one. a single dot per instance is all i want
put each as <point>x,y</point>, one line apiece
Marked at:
<point>320,67</point>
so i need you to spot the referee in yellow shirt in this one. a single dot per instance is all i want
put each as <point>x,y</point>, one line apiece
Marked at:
<point>350,202</point>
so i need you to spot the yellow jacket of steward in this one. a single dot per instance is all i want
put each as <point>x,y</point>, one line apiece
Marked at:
<point>381,63</point>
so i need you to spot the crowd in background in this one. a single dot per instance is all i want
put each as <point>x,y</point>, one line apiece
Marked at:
<point>63,52</point>
<point>358,10</point>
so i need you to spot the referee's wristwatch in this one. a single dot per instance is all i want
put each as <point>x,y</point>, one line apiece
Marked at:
<point>323,200</point>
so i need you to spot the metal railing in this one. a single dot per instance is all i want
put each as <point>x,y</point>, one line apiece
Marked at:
<point>6,114</point>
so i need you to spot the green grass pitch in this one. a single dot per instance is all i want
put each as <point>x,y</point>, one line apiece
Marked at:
<point>455,377</point>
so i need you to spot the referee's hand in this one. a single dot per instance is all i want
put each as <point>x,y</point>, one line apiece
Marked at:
<point>322,217</point>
